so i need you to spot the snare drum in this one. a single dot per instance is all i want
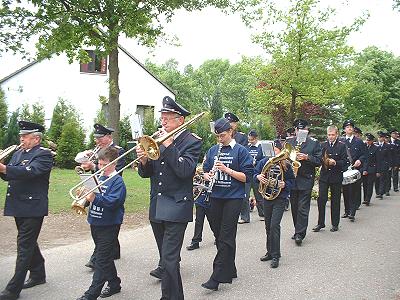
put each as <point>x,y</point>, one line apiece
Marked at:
<point>350,176</point>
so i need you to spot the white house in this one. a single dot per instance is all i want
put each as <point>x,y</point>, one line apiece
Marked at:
<point>82,84</point>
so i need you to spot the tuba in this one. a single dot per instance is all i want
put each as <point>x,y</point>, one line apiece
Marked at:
<point>273,171</point>
<point>292,153</point>
<point>8,151</point>
<point>149,144</point>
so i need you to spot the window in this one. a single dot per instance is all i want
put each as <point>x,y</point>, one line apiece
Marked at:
<point>98,65</point>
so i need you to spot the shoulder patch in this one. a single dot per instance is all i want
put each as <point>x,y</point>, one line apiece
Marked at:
<point>196,136</point>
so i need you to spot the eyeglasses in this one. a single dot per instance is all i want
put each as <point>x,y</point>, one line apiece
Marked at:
<point>167,119</point>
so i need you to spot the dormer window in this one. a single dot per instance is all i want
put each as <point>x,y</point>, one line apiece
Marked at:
<point>98,65</point>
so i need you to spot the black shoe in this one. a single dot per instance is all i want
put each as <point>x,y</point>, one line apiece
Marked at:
<point>379,196</point>
<point>346,215</point>
<point>318,228</point>
<point>275,263</point>
<point>396,191</point>
<point>367,204</point>
<point>7,295</point>
<point>32,282</point>
<point>387,194</point>
<point>293,237</point>
<point>82,298</point>
<point>266,257</point>
<point>90,264</point>
<point>193,246</point>
<point>352,218</point>
<point>157,272</point>
<point>334,228</point>
<point>107,292</point>
<point>211,284</point>
<point>298,240</point>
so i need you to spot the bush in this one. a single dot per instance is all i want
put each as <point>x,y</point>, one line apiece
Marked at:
<point>11,136</point>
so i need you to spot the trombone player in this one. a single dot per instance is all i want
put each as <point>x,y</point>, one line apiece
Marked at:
<point>331,177</point>
<point>28,175</point>
<point>103,139</point>
<point>171,194</point>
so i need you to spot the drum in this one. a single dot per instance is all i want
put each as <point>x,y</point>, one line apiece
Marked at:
<point>351,176</point>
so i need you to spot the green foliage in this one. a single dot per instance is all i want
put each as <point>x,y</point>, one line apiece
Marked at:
<point>63,112</point>
<point>309,60</point>
<point>11,136</point>
<point>216,105</point>
<point>149,124</point>
<point>34,113</point>
<point>70,143</point>
<point>3,116</point>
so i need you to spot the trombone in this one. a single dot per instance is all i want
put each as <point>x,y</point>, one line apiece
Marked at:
<point>149,144</point>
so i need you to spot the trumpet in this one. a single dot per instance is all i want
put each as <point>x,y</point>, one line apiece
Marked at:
<point>91,158</point>
<point>293,156</point>
<point>8,151</point>
<point>149,144</point>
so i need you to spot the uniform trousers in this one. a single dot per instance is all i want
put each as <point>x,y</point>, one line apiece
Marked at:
<point>388,179</point>
<point>29,257</point>
<point>300,205</point>
<point>201,214</point>
<point>169,237</point>
<point>395,177</point>
<point>258,197</point>
<point>368,186</point>
<point>224,216</point>
<point>245,210</point>
<point>351,197</point>
<point>116,250</point>
<point>381,183</point>
<point>104,238</point>
<point>336,191</point>
<point>273,212</point>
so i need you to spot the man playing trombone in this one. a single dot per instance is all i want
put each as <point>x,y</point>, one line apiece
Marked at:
<point>171,194</point>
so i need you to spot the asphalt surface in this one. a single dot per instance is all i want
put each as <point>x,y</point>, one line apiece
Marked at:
<point>360,261</point>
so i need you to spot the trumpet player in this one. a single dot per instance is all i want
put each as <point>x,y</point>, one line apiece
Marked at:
<point>369,169</point>
<point>105,218</point>
<point>28,175</point>
<point>309,155</point>
<point>171,194</point>
<point>273,209</point>
<point>232,168</point>
<point>331,177</point>
<point>103,139</point>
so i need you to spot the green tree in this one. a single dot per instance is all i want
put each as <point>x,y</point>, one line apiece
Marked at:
<point>3,116</point>
<point>62,113</point>
<point>70,143</point>
<point>11,136</point>
<point>70,26</point>
<point>216,105</point>
<point>33,113</point>
<point>310,59</point>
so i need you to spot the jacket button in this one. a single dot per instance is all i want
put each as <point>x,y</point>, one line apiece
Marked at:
<point>160,183</point>
<point>159,194</point>
<point>184,198</point>
<point>30,197</point>
<point>9,186</point>
<point>160,173</point>
<point>162,162</point>
<point>8,194</point>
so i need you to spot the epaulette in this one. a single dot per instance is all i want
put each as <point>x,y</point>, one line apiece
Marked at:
<point>196,136</point>
<point>342,142</point>
<point>116,146</point>
<point>313,139</point>
<point>44,148</point>
<point>241,133</point>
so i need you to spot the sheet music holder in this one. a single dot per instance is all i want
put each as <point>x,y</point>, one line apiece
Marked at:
<point>136,126</point>
<point>268,148</point>
<point>301,136</point>
<point>90,183</point>
<point>212,126</point>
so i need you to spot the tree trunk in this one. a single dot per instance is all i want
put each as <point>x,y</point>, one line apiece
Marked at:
<point>292,111</point>
<point>113,99</point>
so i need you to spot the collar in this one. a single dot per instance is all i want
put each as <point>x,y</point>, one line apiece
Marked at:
<point>255,145</point>
<point>112,174</point>
<point>231,144</point>
<point>350,137</point>
<point>178,134</point>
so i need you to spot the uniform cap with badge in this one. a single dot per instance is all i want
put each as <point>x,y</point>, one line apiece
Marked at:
<point>348,122</point>
<point>253,133</point>
<point>169,105</point>
<point>100,130</point>
<point>231,117</point>
<point>357,130</point>
<point>221,125</point>
<point>369,136</point>
<point>300,124</point>
<point>26,127</point>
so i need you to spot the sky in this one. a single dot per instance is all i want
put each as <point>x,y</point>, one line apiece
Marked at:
<point>210,34</point>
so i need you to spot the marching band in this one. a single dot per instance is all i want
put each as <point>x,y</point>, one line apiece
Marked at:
<point>233,167</point>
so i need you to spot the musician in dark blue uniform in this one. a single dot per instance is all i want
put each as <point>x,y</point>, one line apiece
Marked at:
<point>369,168</point>
<point>238,136</point>
<point>274,208</point>
<point>103,138</point>
<point>334,163</point>
<point>356,152</point>
<point>394,140</point>
<point>105,218</point>
<point>171,194</point>
<point>28,175</point>
<point>233,167</point>
<point>384,158</point>
<point>309,156</point>
<point>255,150</point>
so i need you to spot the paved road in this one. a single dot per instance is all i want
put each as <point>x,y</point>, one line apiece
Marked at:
<point>360,261</point>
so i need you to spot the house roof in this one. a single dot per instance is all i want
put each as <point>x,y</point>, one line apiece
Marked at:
<point>27,66</point>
